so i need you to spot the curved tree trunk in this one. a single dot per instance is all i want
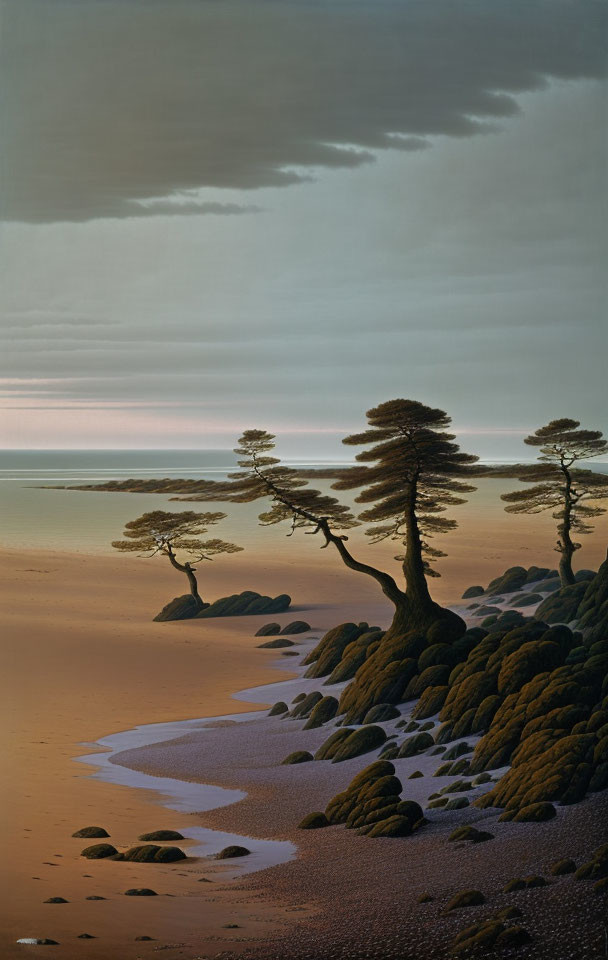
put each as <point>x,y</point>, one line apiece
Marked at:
<point>192,582</point>
<point>566,546</point>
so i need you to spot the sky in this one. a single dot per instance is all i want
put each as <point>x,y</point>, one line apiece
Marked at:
<point>219,214</point>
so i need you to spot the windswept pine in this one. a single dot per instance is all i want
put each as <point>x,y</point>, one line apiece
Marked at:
<point>558,485</point>
<point>160,532</point>
<point>417,472</point>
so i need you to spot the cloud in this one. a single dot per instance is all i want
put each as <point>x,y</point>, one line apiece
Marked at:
<point>112,103</point>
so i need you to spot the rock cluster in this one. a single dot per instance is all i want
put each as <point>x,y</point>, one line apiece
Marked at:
<point>237,605</point>
<point>372,804</point>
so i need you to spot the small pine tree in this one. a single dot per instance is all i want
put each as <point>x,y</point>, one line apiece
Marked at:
<point>558,485</point>
<point>165,533</point>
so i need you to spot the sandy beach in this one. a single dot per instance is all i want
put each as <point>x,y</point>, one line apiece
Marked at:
<point>83,660</point>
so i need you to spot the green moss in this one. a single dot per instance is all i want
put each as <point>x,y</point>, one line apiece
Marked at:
<point>90,833</point>
<point>313,821</point>
<point>360,741</point>
<point>465,898</point>
<point>298,756</point>
<point>99,851</point>
<point>228,853</point>
<point>323,711</point>
<point>561,867</point>
<point>277,709</point>
<point>157,835</point>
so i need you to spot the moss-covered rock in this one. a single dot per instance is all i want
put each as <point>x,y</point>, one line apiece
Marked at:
<point>228,853</point>
<point>298,756</point>
<point>511,580</point>
<point>360,741</point>
<point>328,652</point>
<point>524,883</point>
<point>245,604</point>
<point>276,644</point>
<point>470,834</point>
<point>304,707</point>
<point>322,712</point>
<point>278,709</point>
<point>313,821</point>
<point>416,744</point>
<point>562,867</point>
<point>430,702</point>
<point>535,813</point>
<point>465,898</point>
<point>91,833</point>
<point>160,835</point>
<point>380,713</point>
<point>296,626</point>
<point>140,892</point>
<point>151,853</point>
<point>596,868</point>
<point>185,607</point>
<point>269,630</point>
<point>386,673</point>
<point>475,591</point>
<point>328,749</point>
<point>99,851</point>
<point>562,606</point>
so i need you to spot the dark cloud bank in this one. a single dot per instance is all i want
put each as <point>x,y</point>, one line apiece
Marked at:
<point>108,102</point>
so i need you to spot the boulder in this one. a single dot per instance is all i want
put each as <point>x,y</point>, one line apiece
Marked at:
<point>278,708</point>
<point>415,745</point>
<point>535,812</point>
<point>90,833</point>
<point>511,580</point>
<point>151,853</point>
<point>180,608</point>
<point>562,606</point>
<point>472,592</point>
<point>313,821</point>
<point>323,711</point>
<point>327,654</point>
<point>304,707</point>
<point>245,604</point>
<point>360,741</point>
<point>328,749</point>
<point>465,898</point>
<point>99,851</point>
<point>298,756</point>
<point>269,630</point>
<point>160,835</point>
<point>233,851</point>
<point>380,713</point>
<point>296,626</point>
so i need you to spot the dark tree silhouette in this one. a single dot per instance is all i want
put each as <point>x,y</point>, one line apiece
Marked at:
<point>572,493</point>
<point>165,533</point>
<point>413,479</point>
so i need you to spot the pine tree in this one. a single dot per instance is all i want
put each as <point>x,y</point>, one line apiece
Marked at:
<point>165,533</point>
<point>570,492</point>
<point>413,479</point>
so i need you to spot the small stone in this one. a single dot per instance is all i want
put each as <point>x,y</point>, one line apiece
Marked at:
<point>140,892</point>
<point>85,936</point>
<point>56,900</point>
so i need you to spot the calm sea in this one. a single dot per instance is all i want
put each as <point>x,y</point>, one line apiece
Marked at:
<point>88,522</point>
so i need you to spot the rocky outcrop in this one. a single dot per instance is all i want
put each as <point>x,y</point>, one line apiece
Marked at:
<point>243,604</point>
<point>372,804</point>
<point>180,608</point>
<point>329,652</point>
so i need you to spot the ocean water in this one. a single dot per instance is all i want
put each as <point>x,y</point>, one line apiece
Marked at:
<point>86,522</point>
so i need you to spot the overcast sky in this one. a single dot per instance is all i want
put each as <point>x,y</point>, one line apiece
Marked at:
<point>221,214</point>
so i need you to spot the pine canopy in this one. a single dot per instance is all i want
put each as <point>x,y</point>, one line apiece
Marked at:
<point>162,532</point>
